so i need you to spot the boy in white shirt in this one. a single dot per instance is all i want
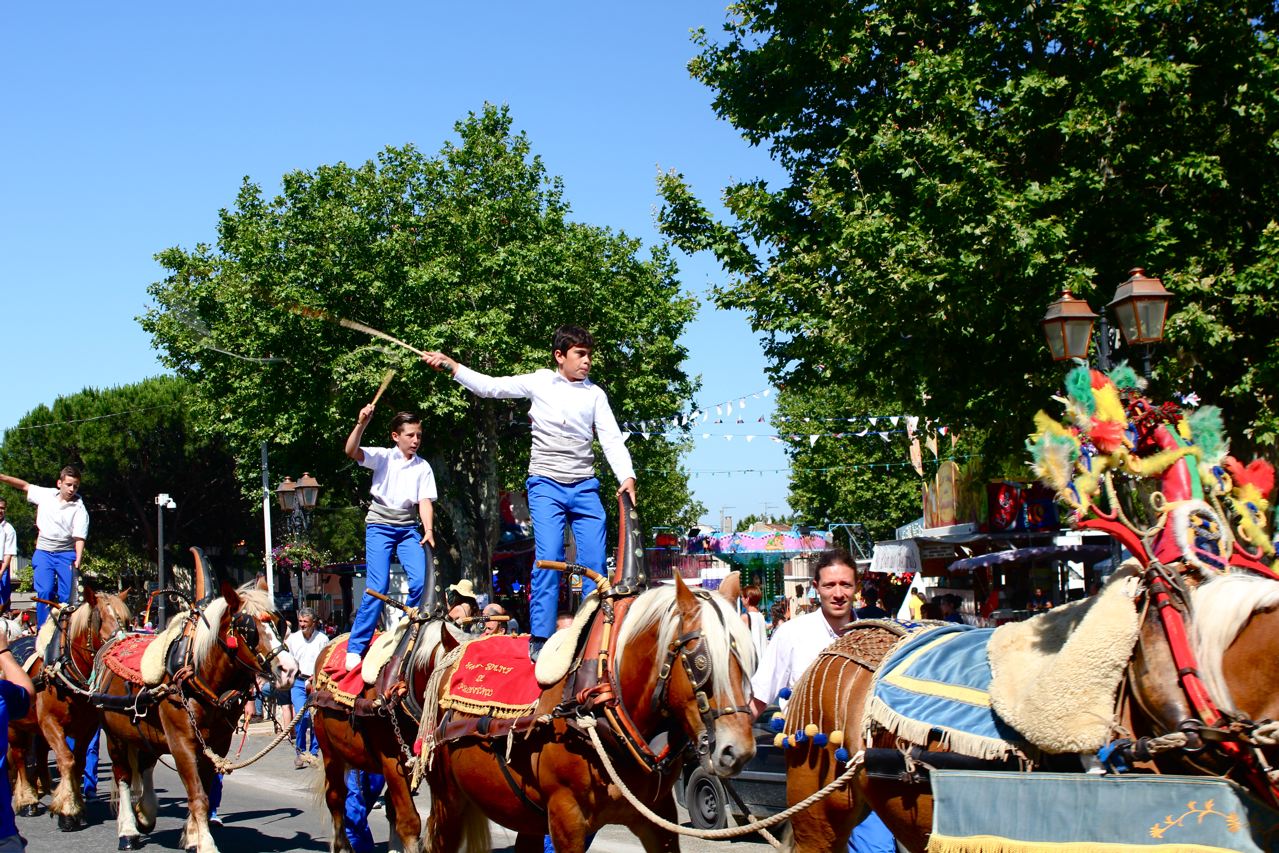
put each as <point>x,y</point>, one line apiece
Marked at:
<point>568,411</point>
<point>403,483</point>
<point>8,553</point>
<point>63,523</point>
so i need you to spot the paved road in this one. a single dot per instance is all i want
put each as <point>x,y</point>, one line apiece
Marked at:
<point>272,807</point>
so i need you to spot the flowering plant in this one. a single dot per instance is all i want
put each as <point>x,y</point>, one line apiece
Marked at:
<point>297,554</point>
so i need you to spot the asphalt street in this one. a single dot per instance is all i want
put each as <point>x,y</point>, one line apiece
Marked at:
<point>270,806</point>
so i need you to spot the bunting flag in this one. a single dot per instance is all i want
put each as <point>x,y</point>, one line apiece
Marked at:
<point>931,443</point>
<point>916,457</point>
<point>801,470</point>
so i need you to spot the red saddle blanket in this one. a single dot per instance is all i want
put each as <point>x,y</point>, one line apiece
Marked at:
<point>125,657</point>
<point>494,677</point>
<point>350,681</point>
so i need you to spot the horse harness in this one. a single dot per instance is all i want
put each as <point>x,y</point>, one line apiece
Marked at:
<point>64,668</point>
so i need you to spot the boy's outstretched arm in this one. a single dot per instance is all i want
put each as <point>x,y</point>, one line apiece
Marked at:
<point>496,387</point>
<point>353,440</point>
<point>20,485</point>
<point>440,361</point>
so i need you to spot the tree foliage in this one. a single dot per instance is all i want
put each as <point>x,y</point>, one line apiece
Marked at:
<point>951,167</point>
<point>471,251</point>
<point>131,443</point>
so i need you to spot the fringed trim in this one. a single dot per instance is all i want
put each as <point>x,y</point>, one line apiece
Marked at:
<point>915,731</point>
<point>996,844</point>
<point>324,681</point>
<point>486,709</point>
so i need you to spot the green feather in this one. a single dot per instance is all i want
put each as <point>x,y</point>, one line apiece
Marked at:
<point>1079,388</point>
<point>1054,458</point>
<point>1209,432</point>
<point>1124,377</point>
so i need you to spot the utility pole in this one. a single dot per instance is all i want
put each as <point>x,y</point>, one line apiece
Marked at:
<point>162,502</point>
<point>266,527</point>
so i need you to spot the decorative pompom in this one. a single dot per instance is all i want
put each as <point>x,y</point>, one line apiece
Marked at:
<point>811,729</point>
<point>799,737</point>
<point>777,723</point>
<point>1079,389</point>
<point>1209,432</point>
<point>1124,377</point>
<point>784,693</point>
<point>1259,474</point>
<point>779,740</point>
<point>836,737</point>
<point>820,740</point>
<point>785,742</point>
<point>841,754</point>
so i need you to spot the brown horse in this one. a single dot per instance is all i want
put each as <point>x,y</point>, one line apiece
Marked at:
<point>215,656</point>
<point>551,778</point>
<point>1236,642</point>
<point>61,707</point>
<point>373,743</point>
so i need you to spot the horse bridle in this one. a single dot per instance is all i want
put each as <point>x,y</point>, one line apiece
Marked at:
<point>690,649</point>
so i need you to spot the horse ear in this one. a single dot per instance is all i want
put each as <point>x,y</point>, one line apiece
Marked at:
<point>86,592</point>
<point>262,583</point>
<point>731,587</point>
<point>124,593</point>
<point>232,597</point>
<point>686,601</point>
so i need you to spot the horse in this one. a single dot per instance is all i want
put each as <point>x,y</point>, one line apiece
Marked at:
<point>548,777</point>
<point>212,656</point>
<point>1235,636</point>
<point>373,742</point>
<point>61,708</point>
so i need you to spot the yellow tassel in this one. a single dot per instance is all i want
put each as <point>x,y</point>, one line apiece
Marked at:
<point>837,738</point>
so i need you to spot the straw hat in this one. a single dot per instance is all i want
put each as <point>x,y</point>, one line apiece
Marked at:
<point>463,589</point>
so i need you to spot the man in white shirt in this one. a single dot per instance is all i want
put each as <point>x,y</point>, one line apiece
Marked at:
<point>568,411</point>
<point>797,643</point>
<point>305,645</point>
<point>8,553</point>
<point>63,523</point>
<point>403,486</point>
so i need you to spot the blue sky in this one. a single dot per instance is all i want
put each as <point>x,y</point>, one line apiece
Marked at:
<point>130,125</point>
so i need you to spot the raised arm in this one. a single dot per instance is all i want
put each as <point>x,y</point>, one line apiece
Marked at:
<point>20,485</point>
<point>353,440</point>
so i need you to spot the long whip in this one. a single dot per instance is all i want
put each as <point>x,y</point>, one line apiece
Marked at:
<point>316,314</point>
<point>386,380</point>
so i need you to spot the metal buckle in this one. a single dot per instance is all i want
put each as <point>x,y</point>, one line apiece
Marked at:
<point>703,703</point>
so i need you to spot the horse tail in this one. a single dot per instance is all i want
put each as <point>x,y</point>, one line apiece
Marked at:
<point>475,829</point>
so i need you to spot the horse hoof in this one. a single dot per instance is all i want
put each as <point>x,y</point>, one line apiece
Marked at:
<point>130,842</point>
<point>68,822</point>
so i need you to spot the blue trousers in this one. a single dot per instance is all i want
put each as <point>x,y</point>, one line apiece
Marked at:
<point>554,506</point>
<point>362,791</point>
<point>90,780</point>
<point>6,589</point>
<point>871,836</point>
<point>52,573</point>
<point>303,722</point>
<point>380,542</point>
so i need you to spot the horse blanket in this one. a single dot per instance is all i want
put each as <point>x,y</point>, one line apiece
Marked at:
<point>494,677</point>
<point>124,657</point>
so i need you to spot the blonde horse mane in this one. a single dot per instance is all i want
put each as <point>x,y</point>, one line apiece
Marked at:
<point>1222,606</point>
<point>722,629</point>
<point>253,601</point>
<point>79,623</point>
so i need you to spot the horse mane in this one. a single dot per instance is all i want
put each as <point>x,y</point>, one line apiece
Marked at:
<point>1222,606</point>
<point>79,622</point>
<point>253,601</point>
<point>720,626</point>
<point>427,642</point>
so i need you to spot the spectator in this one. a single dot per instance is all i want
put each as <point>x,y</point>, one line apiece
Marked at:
<point>871,610</point>
<point>493,627</point>
<point>778,613</point>
<point>917,602</point>
<point>751,597</point>
<point>950,605</point>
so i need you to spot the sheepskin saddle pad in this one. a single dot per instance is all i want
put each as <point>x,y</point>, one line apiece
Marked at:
<point>1054,677</point>
<point>560,650</point>
<point>157,653</point>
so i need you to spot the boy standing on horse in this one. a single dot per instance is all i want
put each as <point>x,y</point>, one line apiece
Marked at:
<point>403,483</point>
<point>63,523</point>
<point>568,411</point>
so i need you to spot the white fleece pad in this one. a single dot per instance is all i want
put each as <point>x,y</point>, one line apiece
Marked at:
<point>557,655</point>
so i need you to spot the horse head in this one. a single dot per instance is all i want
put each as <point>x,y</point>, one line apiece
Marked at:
<point>705,661</point>
<point>250,626</point>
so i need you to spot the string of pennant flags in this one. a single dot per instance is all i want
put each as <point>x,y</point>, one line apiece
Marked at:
<point>708,472</point>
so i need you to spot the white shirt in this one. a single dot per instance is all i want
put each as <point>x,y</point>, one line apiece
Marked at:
<point>8,540</point>
<point>565,416</point>
<point>60,522</point>
<point>794,646</point>
<point>305,651</point>
<point>398,482</point>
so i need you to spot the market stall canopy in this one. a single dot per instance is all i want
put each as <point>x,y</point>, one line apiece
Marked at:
<point>1087,554</point>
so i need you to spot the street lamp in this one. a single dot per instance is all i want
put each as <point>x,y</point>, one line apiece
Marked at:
<point>298,498</point>
<point>1140,306</point>
<point>162,502</point>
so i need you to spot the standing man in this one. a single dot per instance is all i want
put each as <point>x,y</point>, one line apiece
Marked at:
<point>796,644</point>
<point>8,554</point>
<point>63,523</point>
<point>305,645</point>
<point>568,412</point>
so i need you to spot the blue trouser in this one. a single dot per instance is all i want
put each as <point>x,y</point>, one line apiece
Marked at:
<point>302,722</point>
<point>6,588</point>
<point>215,794</point>
<point>52,576</point>
<point>90,780</point>
<point>554,506</point>
<point>362,791</point>
<point>380,541</point>
<point>871,836</point>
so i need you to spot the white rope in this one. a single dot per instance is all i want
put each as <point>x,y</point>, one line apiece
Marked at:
<point>1266,734</point>
<point>589,723</point>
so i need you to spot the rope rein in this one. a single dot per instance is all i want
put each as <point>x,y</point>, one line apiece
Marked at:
<point>223,765</point>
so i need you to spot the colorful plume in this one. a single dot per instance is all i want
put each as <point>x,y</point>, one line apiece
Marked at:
<point>1209,432</point>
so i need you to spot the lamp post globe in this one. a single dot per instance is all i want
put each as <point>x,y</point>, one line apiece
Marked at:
<point>1068,327</point>
<point>308,491</point>
<point>1141,307</point>
<point>287,494</point>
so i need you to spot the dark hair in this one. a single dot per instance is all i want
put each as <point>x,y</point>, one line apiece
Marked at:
<point>567,337</point>
<point>402,418</point>
<point>752,595</point>
<point>870,593</point>
<point>829,558</point>
<point>778,612</point>
<point>69,471</point>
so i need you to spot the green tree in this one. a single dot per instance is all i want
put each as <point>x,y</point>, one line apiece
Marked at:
<point>131,443</point>
<point>951,167</point>
<point>470,251</point>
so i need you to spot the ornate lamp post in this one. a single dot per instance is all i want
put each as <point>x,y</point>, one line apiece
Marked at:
<point>298,499</point>
<point>1140,306</point>
<point>1068,327</point>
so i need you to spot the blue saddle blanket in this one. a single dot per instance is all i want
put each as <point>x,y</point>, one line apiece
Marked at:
<point>936,684</point>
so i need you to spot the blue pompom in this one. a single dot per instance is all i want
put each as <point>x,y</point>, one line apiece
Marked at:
<point>784,693</point>
<point>800,737</point>
<point>820,739</point>
<point>785,742</point>
<point>777,723</point>
<point>841,754</point>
